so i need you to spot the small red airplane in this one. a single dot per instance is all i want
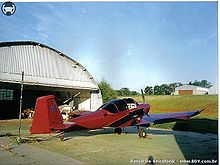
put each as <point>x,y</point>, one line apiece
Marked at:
<point>118,113</point>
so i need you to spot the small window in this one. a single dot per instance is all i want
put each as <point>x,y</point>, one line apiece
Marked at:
<point>131,101</point>
<point>6,94</point>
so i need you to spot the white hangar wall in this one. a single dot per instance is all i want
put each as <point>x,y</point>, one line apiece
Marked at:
<point>191,89</point>
<point>213,90</point>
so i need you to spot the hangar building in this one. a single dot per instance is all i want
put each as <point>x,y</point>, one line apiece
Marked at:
<point>46,71</point>
<point>213,90</point>
<point>191,90</point>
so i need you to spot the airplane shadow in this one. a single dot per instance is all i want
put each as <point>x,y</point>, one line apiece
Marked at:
<point>127,130</point>
<point>88,132</point>
<point>202,125</point>
<point>197,146</point>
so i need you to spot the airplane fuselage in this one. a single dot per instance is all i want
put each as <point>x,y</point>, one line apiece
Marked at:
<point>103,118</point>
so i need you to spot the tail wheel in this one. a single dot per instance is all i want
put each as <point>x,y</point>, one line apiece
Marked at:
<point>118,131</point>
<point>142,133</point>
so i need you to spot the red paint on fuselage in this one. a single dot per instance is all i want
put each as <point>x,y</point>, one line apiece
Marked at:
<point>146,107</point>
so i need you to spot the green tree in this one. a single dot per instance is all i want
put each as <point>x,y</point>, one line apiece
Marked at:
<point>178,84</point>
<point>165,89</point>
<point>203,83</point>
<point>107,92</point>
<point>196,83</point>
<point>148,90</point>
<point>157,90</point>
<point>134,93</point>
<point>172,87</point>
<point>125,91</point>
<point>118,93</point>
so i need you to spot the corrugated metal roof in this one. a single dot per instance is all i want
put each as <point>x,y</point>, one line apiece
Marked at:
<point>42,65</point>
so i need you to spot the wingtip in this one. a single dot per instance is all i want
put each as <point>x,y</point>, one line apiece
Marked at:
<point>196,112</point>
<point>199,111</point>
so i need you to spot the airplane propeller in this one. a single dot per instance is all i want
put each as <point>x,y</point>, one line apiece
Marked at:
<point>143,98</point>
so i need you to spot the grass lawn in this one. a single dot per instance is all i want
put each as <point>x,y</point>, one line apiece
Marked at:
<point>207,121</point>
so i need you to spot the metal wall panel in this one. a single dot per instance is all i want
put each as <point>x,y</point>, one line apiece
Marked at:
<point>42,65</point>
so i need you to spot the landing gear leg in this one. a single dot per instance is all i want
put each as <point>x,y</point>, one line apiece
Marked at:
<point>123,130</point>
<point>141,133</point>
<point>118,131</point>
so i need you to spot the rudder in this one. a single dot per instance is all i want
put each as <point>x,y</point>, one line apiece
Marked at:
<point>47,117</point>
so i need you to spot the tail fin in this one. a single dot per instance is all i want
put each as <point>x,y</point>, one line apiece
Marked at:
<point>47,117</point>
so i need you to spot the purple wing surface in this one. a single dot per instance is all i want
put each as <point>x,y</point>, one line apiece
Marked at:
<point>167,117</point>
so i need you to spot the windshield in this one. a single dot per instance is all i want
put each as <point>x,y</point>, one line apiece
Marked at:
<point>110,107</point>
<point>121,104</point>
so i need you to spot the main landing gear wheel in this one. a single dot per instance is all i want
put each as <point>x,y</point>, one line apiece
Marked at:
<point>118,131</point>
<point>142,133</point>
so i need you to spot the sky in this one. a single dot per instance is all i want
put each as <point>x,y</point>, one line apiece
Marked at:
<point>129,44</point>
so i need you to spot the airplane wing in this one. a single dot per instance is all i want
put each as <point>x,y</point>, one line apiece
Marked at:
<point>166,117</point>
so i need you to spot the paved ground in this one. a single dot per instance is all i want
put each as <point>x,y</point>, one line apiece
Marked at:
<point>103,147</point>
<point>26,154</point>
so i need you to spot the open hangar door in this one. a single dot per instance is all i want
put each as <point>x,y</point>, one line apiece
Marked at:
<point>78,99</point>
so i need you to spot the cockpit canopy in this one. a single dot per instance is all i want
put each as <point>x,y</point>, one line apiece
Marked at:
<point>119,105</point>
